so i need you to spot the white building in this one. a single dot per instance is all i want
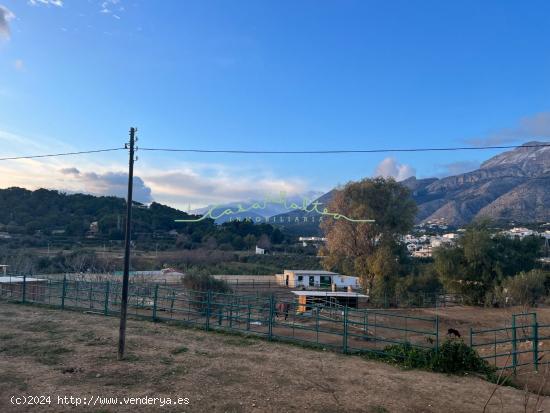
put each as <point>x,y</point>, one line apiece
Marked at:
<point>316,278</point>
<point>519,232</point>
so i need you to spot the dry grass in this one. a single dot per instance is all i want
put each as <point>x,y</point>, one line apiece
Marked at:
<point>57,352</point>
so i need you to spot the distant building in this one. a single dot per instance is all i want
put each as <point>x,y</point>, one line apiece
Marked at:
<point>519,232</point>
<point>316,278</point>
<point>311,240</point>
<point>424,252</point>
<point>260,251</point>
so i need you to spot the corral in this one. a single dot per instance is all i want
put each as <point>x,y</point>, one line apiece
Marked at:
<point>52,352</point>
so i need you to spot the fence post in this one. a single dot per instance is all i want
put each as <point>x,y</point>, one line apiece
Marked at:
<point>471,337</point>
<point>106,307</point>
<point>207,321</point>
<point>535,342</point>
<point>155,299</point>
<point>345,335</point>
<point>63,292</point>
<point>436,333</point>
<point>271,306</point>
<point>514,344</point>
<point>24,292</point>
<point>248,319</point>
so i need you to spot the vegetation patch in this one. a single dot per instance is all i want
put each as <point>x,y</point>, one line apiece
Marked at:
<point>452,357</point>
<point>179,350</point>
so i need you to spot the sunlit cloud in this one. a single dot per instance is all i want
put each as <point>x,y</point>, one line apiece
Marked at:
<point>5,17</point>
<point>389,167</point>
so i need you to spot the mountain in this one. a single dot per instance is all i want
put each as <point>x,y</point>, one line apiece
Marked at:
<point>512,186</point>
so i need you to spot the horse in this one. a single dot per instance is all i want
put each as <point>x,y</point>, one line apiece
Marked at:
<point>282,308</point>
<point>453,332</point>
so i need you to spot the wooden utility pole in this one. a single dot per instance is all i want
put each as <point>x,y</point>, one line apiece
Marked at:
<point>128,232</point>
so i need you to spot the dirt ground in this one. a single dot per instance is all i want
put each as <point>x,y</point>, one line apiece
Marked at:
<point>63,353</point>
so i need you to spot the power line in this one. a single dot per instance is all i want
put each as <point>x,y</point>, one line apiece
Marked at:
<point>340,151</point>
<point>52,155</point>
<point>235,151</point>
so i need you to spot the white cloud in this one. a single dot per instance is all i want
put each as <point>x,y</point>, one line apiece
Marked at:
<point>5,17</point>
<point>109,183</point>
<point>57,3</point>
<point>196,185</point>
<point>528,128</point>
<point>389,167</point>
<point>107,7</point>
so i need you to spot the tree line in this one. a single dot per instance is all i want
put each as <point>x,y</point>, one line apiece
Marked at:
<point>483,267</point>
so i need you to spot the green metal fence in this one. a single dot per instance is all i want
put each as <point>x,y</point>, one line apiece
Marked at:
<point>521,344</point>
<point>329,325</point>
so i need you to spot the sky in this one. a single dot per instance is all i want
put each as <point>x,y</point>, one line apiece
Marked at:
<point>273,75</point>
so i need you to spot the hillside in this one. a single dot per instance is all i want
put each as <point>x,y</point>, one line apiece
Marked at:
<point>39,217</point>
<point>512,186</point>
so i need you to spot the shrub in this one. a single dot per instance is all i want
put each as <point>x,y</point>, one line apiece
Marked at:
<point>526,288</point>
<point>453,356</point>
<point>205,282</point>
<point>407,355</point>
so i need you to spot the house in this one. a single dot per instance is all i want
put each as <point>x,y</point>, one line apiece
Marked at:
<point>260,251</point>
<point>519,232</point>
<point>311,240</point>
<point>316,278</point>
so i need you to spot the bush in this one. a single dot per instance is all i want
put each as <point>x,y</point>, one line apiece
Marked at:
<point>453,357</point>
<point>205,282</point>
<point>407,355</point>
<point>526,288</point>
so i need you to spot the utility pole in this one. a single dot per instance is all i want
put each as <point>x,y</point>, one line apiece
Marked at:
<point>126,275</point>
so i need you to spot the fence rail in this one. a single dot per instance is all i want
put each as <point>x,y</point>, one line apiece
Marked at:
<point>345,329</point>
<point>514,346</point>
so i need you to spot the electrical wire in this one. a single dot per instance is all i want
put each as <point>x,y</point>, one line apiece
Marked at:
<point>15,158</point>
<point>341,151</point>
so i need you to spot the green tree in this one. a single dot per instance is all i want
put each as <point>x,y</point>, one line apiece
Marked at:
<point>368,250</point>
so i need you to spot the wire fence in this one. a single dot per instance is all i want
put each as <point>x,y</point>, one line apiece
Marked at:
<point>522,344</point>
<point>322,323</point>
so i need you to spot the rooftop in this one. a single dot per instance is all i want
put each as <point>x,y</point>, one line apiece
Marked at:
<point>328,294</point>
<point>313,272</point>
<point>4,280</point>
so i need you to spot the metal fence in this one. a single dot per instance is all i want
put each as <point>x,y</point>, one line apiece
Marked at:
<point>324,324</point>
<point>524,343</point>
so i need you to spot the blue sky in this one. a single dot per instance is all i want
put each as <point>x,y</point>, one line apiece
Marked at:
<point>289,75</point>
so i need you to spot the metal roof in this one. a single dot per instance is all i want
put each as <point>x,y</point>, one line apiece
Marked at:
<point>313,272</point>
<point>7,280</point>
<point>328,294</point>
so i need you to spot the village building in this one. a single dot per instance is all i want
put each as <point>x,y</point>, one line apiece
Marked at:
<point>316,279</point>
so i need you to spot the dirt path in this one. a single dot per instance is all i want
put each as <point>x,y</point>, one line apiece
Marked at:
<point>50,352</point>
